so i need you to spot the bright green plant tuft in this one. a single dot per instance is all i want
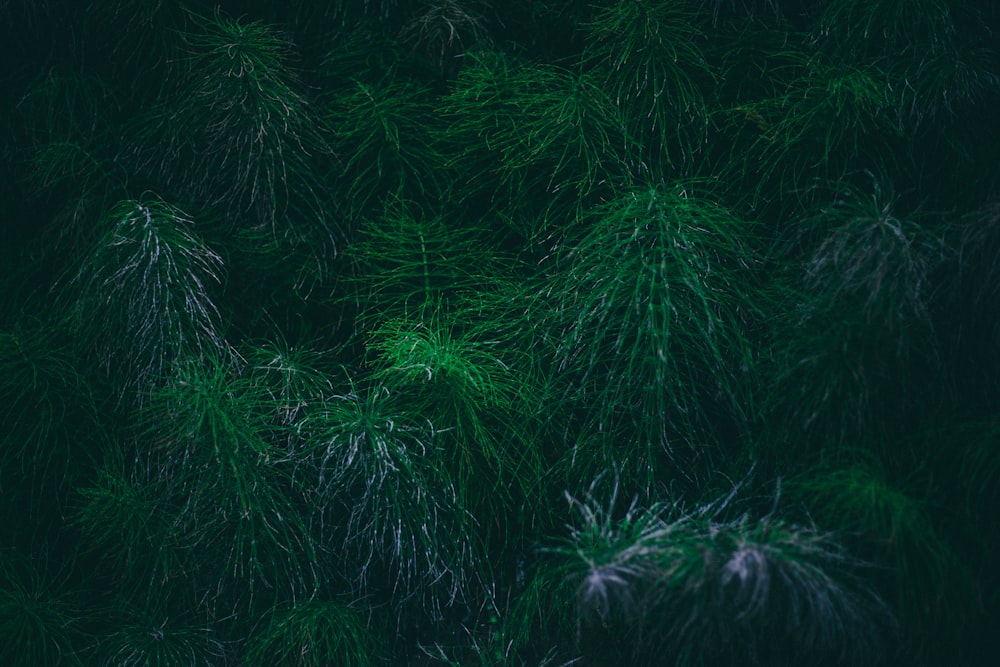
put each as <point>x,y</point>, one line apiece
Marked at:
<point>443,367</point>
<point>236,508</point>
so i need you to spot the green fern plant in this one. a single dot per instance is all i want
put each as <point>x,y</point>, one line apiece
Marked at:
<point>240,136</point>
<point>648,56</point>
<point>886,25</point>
<point>724,11</point>
<point>478,396</point>
<point>144,638</point>
<point>41,620</point>
<point>315,633</point>
<point>488,645</point>
<point>868,251</point>
<point>293,378</point>
<point>645,319</point>
<point>709,586</point>
<point>143,300</point>
<point>389,500</point>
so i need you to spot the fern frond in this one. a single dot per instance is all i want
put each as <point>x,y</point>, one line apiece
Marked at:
<point>143,298</point>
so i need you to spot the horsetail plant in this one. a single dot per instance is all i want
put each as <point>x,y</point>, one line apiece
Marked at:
<point>320,321</point>
<point>648,56</point>
<point>646,318</point>
<point>711,585</point>
<point>312,633</point>
<point>146,638</point>
<point>143,294</point>
<point>240,137</point>
<point>388,500</point>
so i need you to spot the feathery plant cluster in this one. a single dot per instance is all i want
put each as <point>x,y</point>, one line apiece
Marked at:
<point>39,616</point>
<point>645,320</point>
<point>433,332</point>
<point>709,584</point>
<point>150,266</point>
<point>649,56</point>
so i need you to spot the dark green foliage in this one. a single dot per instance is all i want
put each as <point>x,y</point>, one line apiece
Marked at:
<point>708,586</point>
<point>821,119</point>
<point>236,507</point>
<point>435,332</point>
<point>444,29</point>
<point>45,404</point>
<point>391,505</point>
<point>143,294</point>
<point>864,336</point>
<point>898,532</point>
<point>238,136</point>
<point>970,296</point>
<point>650,60</point>
<point>38,380</point>
<point>148,639</point>
<point>316,633</point>
<point>645,319</point>
<point>938,56</point>
<point>383,132</point>
<point>410,260</point>
<point>537,136</point>
<point>39,618</point>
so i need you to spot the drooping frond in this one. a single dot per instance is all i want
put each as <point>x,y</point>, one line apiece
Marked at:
<point>143,295</point>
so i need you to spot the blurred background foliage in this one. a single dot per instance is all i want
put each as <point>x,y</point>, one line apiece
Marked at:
<point>462,332</point>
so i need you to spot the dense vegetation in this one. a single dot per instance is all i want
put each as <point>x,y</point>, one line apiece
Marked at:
<point>462,332</point>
